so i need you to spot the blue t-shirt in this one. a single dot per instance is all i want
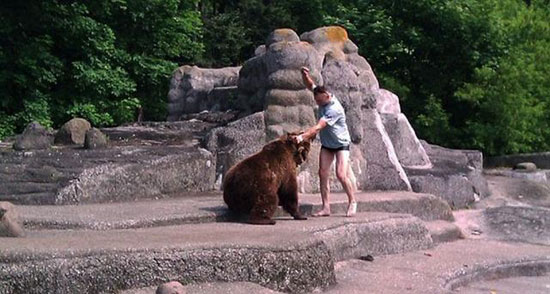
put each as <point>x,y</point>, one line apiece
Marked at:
<point>335,134</point>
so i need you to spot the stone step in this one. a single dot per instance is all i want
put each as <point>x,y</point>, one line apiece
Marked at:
<point>40,198</point>
<point>209,207</point>
<point>442,269</point>
<point>212,288</point>
<point>444,231</point>
<point>291,256</point>
<point>28,187</point>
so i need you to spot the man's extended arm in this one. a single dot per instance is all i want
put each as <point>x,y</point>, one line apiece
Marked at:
<point>307,78</point>
<point>311,132</point>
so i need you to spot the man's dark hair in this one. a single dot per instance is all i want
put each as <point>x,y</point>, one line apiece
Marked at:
<point>319,90</point>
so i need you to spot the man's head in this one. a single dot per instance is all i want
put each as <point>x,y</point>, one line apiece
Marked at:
<point>321,95</point>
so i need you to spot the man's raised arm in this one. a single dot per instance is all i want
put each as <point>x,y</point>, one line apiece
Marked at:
<point>307,78</point>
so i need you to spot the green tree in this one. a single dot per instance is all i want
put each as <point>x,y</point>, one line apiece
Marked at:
<point>100,59</point>
<point>512,96</point>
<point>424,51</point>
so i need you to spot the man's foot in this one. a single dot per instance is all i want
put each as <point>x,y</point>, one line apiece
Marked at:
<point>352,209</point>
<point>323,212</point>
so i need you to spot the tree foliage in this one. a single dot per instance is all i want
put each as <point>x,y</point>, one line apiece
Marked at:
<point>100,59</point>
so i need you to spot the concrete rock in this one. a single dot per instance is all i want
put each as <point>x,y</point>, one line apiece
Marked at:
<point>408,148</point>
<point>387,102</point>
<point>10,225</point>
<point>384,172</point>
<point>526,166</point>
<point>281,35</point>
<point>173,287</point>
<point>521,190</point>
<point>190,169</point>
<point>34,137</point>
<point>523,224</point>
<point>455,175</point>
<point>70,175</point>
<point>95,139</point>
<point>190,86</point>
<point>73,132</point>
<point>236,141</point>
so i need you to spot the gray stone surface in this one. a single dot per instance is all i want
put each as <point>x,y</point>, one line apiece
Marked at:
<point>442,231</point>
<point>408,148</point>
<point>234,142</point>
<point>186,208</point>
<point>214,288</point>
<point>34,137</point>
<point>173,287</point>
<point>95,139</point>
<point>73,132</point>
<point>190,86</point>
<point>519,223</point>
<point>351,241</point>
<point>281,35</point>
<point>188,170</point>
<point>291,256</point>
<point>526,166</point>
<point>387,102</point>
<point>383,172</point>
<point>456,176</point>
<point>541,160</point>
<point>534,176</point>
<point>507,190</point>
<point>64,176</point>
<point>532,285</point>
<point>441,269</point>
<point>10,225</point>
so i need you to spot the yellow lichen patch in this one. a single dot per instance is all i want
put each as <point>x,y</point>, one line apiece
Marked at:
<point>336,34</point>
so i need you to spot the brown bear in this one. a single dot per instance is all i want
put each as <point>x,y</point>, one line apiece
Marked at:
<point>261,182</point>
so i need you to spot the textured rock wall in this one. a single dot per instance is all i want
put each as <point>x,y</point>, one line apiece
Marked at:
<point>190,89</point>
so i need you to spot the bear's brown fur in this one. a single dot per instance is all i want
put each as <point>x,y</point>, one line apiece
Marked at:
<point>261,182</point>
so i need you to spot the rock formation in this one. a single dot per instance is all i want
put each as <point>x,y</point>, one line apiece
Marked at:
<point>194,89</point>
<point>384,145</point>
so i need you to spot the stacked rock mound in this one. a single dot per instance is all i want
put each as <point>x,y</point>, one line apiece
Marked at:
<point>194,89</point>
<point>384,145</point>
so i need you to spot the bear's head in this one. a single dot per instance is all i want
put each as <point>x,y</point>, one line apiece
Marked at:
<point>299,150</point>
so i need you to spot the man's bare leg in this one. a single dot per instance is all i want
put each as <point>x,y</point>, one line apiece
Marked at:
<point>325,161</point>
<point>342,170</point>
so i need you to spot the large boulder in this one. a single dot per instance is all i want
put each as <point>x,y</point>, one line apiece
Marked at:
<point>408,148</point>
<point>95,139</point>
<point>10,225</point>
<point>234,142</point>
<point>73,132</point>
<point>34,137</point>
<point>455,175</point>
<point>383,172</point>
<point>122,173</point>
<point>190,89</point>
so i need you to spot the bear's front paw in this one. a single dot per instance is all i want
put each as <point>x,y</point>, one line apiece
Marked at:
<point>300,217</point>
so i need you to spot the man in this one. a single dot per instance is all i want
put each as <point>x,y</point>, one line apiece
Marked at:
<point>335,141</point>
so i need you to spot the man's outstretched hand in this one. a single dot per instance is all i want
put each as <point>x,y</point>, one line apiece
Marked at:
<point>298,139</point>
